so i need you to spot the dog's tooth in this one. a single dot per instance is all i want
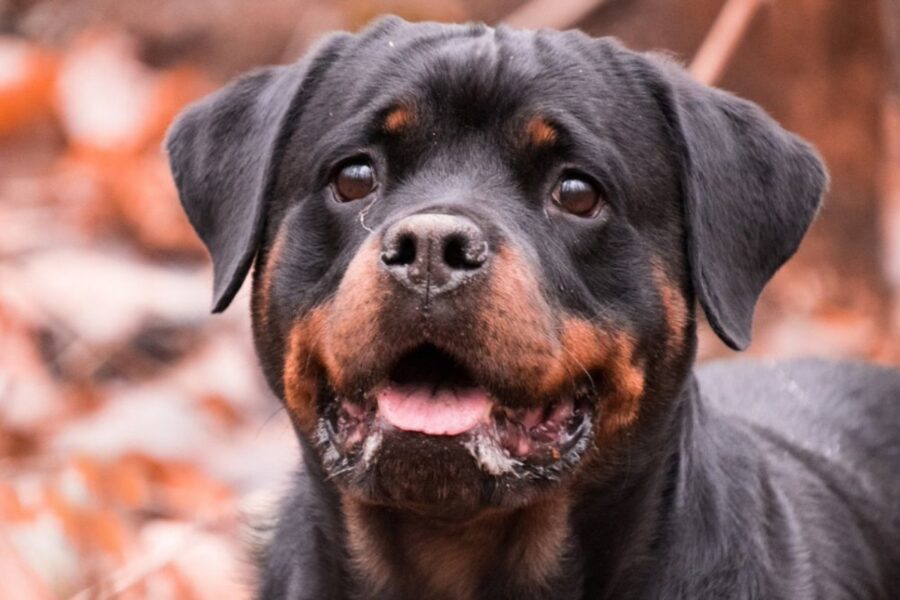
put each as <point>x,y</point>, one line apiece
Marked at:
<point>371,446</point>
<point>562,412</point>
<point>355,436</point>
<point>532,417</point>
<point>502,426</point>
<point>352,409</point>
<point>509,438</point>
<point>523,446</point>
<point>546,434</point>
<point>488,411</point>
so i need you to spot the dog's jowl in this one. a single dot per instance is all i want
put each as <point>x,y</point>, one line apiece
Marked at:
<point>477,255</point>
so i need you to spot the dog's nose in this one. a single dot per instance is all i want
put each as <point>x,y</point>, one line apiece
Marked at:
<point>434,253</point>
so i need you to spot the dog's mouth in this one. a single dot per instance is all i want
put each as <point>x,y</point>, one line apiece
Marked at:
<point>430,395</point>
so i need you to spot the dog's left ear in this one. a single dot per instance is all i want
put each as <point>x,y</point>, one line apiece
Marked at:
<point>750,191</point>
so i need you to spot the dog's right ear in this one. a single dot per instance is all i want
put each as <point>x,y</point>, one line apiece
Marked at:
<point>223,151</point>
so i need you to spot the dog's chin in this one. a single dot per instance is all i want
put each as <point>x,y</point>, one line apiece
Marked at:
<point>431,438</point>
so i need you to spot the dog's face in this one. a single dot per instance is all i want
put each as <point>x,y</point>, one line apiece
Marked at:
<point>477,250</point>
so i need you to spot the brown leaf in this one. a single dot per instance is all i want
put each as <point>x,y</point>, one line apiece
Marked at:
<point>27,74</point>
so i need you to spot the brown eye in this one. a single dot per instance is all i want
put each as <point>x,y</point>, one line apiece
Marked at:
<point>354,181</point>
<point>577,196</point>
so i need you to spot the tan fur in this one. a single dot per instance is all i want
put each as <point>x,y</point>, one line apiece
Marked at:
<point>623,406</point>
<point>520,336</point>
<point>351,333</point>
<point>450,560</point>
<point>519,333</point>
<point>263,289</point>
<point>365,542</point>
<point>539,540</point>
<point>514,324</point>
<point>539,132</point>
<point>334,336</point>
<point>400,118</point>
<point>675,308</point>
<point>300,368</point>
<point>516,330</point>
<point>611,352</point>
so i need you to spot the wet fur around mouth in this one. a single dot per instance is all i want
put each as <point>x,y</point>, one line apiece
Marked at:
<point>516,446</point>
<point>735,480</point>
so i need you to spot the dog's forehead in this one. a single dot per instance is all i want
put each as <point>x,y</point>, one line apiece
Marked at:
<point>480,101</point>
<point>473,69</point>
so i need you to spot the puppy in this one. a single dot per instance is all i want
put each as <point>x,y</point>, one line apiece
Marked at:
<point>477,257</point>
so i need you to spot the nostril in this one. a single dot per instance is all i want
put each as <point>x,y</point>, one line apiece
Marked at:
<point>454,254</point>
<point>401,252</point>
<point>461,253</point>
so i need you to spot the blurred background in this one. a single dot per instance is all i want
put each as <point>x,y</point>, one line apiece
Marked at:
<point>137,439</point>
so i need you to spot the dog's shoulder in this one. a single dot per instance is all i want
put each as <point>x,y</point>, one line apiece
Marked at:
<point>826,435</point>
<point>813,401</point>
<point>845,414</point>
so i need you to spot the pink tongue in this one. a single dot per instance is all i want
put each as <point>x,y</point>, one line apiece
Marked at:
<point>445,412</point>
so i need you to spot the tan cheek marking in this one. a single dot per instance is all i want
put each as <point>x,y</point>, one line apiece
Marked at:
<point>623,406</point>
<point>587,347</point>
<point>450,566</point>
<point>264,287</point>
<point>352,334</point>
<point>675,311</point>
<point>366,553</point>
<point>451,562</point>
<point>399,119</point>
<point>541,539</point>
<point>540,133</point>
<point>445,566</point>
<point>333,336</point>
<point>517,332</point>
<point>580,350</point>
<point>300,376</point>
<point>514,323</point>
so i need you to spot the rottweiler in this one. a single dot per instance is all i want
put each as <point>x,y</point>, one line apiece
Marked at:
<point>477,256</point>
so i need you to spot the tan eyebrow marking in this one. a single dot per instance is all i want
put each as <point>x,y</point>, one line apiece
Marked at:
<point>399,118</point>
<point>540,132</point>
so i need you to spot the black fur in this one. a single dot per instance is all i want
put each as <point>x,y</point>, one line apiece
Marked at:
<point>733,157</point>
<point>743,480</point>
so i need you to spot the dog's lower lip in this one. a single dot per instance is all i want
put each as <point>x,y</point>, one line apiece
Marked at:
<point>523,432</point>
<point>534,434</point>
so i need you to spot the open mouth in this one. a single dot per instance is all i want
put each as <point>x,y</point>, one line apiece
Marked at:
<point>430,394</point>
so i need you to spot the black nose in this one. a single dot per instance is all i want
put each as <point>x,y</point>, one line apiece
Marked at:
<point>434,253</point>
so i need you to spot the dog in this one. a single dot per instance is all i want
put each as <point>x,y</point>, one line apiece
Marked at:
<point>478,253</point>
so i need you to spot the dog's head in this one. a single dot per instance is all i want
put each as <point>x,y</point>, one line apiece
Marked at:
<point>477,250</point>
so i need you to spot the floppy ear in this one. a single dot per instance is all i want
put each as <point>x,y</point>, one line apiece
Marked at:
<point>750,189</point>
<point>223,151</point>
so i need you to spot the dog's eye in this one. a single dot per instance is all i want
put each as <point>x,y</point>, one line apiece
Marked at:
<point>354,180</point>
<point>577,196</point>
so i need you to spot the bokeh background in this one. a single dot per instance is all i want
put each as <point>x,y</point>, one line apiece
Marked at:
<point>138,442</point>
